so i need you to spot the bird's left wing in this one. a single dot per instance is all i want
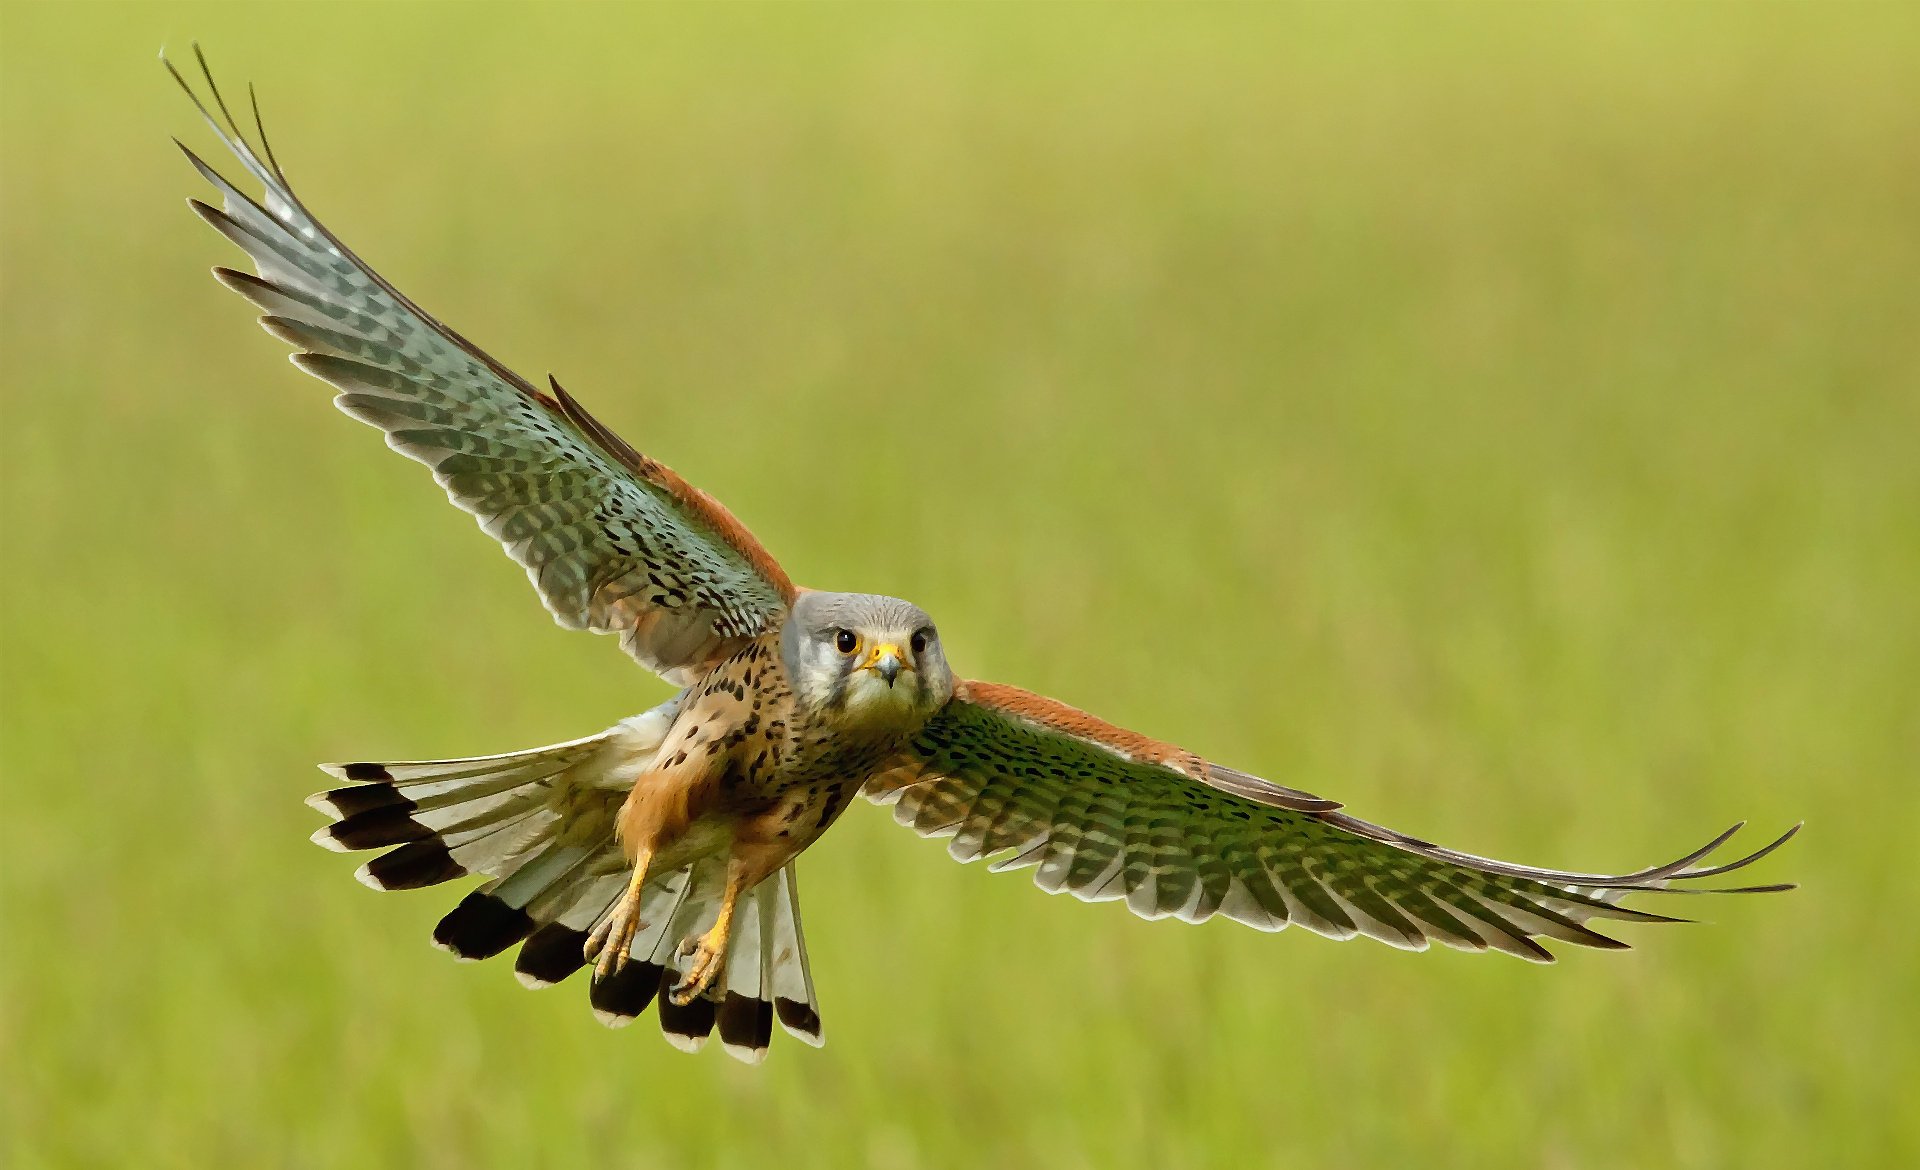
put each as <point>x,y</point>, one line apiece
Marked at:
<point>1108,814</point>
<point>613,541</point>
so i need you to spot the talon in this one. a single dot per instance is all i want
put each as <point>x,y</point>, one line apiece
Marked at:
<point>597,941</point>
<point>610,941</point>
<point>615,936</point>
<point>706,965</point>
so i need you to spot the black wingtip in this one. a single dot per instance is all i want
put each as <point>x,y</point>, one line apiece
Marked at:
<point>213,87</point>
<point>1770,888</point>
<point>260,128</point>
<point>1750,858</point>
<point>1601,942</point>
<point>174,70</point>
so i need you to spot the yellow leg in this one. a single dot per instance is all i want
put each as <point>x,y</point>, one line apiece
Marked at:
<point>607,945</point>
<point>710,955</point>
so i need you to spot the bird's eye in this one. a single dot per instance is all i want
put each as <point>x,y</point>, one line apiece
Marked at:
<point>846,641</point>
<point>919,642</point>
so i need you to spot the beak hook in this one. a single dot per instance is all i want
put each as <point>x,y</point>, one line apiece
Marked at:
<point>887,662</point>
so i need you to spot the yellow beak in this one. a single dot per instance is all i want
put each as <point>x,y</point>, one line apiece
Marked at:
<point>887,660</point>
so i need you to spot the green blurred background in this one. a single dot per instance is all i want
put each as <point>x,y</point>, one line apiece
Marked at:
<point>1501,419</point>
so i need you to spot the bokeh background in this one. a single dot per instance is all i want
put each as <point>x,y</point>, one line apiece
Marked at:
<point>1501,419</point>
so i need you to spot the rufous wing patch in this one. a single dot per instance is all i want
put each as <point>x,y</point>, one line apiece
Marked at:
<point>1068,720</point>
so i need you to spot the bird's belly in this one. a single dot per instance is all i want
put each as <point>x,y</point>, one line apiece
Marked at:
<point>796,806</point>
<point>707,836</point>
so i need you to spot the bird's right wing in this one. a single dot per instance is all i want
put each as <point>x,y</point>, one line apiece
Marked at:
<point>1105,813</point>
<point>613,541</point>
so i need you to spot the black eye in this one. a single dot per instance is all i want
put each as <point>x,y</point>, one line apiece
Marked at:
<point>845,642</point>
<point>919,642</point>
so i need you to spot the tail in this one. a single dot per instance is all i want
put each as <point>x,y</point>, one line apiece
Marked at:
<point>539,825</point>
<point>767,973</point>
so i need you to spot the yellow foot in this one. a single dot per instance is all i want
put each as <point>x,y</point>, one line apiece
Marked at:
<point>607,946</point>
<point>709,959</point>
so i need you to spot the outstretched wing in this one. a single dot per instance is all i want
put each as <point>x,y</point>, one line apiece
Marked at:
<point>1107,814</point>
<point>614,541</point>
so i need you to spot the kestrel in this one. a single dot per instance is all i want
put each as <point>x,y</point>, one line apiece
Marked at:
<point>662,849</point>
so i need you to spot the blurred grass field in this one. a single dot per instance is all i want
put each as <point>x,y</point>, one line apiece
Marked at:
<point>1500,419</point>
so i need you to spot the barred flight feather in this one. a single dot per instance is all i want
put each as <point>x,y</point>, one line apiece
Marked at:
<point>1024,782</point>
<point>613,541</point>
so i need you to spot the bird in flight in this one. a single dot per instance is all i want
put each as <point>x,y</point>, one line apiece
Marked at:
<point>661,851</point>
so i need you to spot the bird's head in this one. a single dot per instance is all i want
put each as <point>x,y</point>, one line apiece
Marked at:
<point>865,660</point>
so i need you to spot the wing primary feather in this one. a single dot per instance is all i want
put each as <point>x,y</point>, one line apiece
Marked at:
<point>1743,862</point>
<point>214,88</point>
<point>260,128</point>
<point>1266,792</point>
